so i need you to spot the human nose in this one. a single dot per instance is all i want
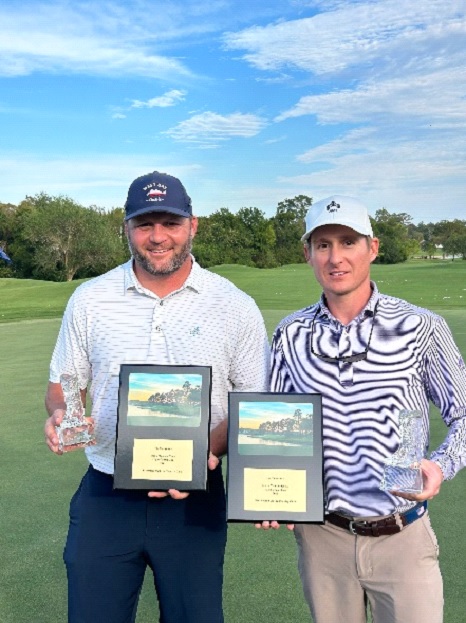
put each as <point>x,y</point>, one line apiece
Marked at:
<point>335,255</point>
<point>157,233</point>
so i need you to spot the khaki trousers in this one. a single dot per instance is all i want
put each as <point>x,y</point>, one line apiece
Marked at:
<point>398,575</point>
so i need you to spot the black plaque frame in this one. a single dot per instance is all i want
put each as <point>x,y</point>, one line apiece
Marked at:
<point>128,432</point>
<point>240,460</point>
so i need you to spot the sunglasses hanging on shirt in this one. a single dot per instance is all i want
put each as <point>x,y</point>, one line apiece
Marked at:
<point>342,358</point>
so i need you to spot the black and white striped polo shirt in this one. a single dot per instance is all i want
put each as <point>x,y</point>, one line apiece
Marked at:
<point>411,360</point>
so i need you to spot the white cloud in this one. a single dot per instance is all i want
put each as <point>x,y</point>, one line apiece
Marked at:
<point>352,34</point>
<point>351,142</point>
<point>208,129</point>
<point>435,95</point>
<point>170,98</point>
<point>114,38</point>
<point>410,161</point>
<point>390,73</point>
<point>277,139</point>
<point>84,55</point>
<point>423,177</point>
<point>110,39</point>
<point>101,179</point>
<point>402,176</point>
<point>394,69</point>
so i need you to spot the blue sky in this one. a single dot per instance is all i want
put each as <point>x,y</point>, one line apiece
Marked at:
<point>247,102</point>
<point>251,414</point>
<point>162,382</point>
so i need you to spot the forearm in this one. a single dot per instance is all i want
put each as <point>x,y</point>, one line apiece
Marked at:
<point>54,398</point>
<point>218,439</point>
<point>451,454</point>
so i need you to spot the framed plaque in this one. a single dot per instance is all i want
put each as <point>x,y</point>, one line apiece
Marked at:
<point>275,466</point>
<point>163,427</point>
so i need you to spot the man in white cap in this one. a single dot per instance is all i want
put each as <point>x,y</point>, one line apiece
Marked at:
<point>371,356</point>
<point>160,307</point>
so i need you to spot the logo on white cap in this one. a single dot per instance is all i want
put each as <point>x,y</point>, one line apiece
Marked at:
<point>333,206</point>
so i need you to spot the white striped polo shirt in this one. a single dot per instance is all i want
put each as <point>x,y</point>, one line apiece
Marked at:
<point>113,319</point>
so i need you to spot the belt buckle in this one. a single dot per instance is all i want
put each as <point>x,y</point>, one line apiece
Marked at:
<point>351,526</point>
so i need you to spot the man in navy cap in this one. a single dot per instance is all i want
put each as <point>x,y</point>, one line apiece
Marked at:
<point>160,307</point>
<point>372,357</point>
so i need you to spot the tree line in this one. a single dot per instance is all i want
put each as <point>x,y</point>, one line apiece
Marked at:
<point>55,238</point>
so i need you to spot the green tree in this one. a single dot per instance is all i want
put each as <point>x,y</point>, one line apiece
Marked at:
<point>65,239</point>
<point>413,247</point>
<point>205,250</point>
<point>288,224</point>
<point>246,237</point>
<point>455,245</point>
<point>259,237</point>
<point>429,249</point>
<point>298,414</point>
<point>223,238</point>
<point>448,233</point>
<point>392,231</point>
<point>7,235</point>
<point>114,226</point>
<point>424,232</point>
<point>7,222</point>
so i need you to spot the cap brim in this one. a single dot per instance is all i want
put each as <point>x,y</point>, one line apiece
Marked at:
<point>305,238</point>
<point>160,208</point>
<point>356,228</point>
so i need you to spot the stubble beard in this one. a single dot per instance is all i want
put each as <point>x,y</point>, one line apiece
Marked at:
<point>170,267</point>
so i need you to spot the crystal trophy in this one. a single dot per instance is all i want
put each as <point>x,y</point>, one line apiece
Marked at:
<point>402,471</point>
<point>74,431</point>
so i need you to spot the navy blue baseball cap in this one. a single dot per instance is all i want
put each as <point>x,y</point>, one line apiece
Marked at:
<point>157,192</point>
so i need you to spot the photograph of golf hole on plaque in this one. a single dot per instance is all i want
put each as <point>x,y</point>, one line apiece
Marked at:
<point>274,467</point>
<point>163,427</point>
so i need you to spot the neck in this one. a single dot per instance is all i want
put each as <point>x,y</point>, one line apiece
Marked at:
<point>163,285</point>
<point>346,308</point>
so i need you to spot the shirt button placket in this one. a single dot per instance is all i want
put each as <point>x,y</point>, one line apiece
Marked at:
<point>157,342</point>
<point>346,368</point>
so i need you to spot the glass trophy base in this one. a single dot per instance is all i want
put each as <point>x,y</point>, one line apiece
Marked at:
<point>403,479</point>
<point>74,437</point>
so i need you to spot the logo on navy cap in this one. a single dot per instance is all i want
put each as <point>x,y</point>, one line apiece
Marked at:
<point>156,191</point>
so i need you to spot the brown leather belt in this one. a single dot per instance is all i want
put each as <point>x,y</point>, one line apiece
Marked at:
<point>378,527</point>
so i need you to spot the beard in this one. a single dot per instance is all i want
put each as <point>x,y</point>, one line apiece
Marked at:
<point>170,266</point>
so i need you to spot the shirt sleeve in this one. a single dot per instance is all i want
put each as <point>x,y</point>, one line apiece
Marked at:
<point>70,353</point>
<point>249,368</point>
<point>280,380</point>
<point>446,379</point>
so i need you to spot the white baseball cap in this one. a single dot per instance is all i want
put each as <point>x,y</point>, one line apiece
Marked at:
<point>338,210</point>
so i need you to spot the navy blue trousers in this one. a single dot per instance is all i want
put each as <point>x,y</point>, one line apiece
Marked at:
<point>114,535</point>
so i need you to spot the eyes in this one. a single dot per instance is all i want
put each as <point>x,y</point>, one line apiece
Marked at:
<point>148,225</point>
<point>323,245</point>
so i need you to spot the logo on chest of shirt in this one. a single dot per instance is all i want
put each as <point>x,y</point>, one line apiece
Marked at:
<point>195,331</point>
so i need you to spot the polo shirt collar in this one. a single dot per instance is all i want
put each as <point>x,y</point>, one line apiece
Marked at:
<point>368,310</point>
<point>130,280</point>
<point>194,281</point>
